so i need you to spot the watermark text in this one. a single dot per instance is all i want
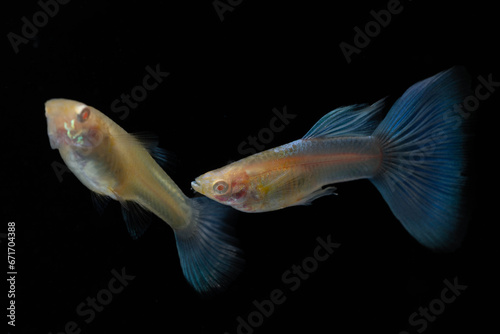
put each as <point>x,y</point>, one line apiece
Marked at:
<point>30,28</point>
<point>292,279</point>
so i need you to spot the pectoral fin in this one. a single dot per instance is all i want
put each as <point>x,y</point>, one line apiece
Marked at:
<point>136,218</point>
<point>307,200</point>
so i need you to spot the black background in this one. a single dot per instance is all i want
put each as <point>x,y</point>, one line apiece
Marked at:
<point>225,79</point>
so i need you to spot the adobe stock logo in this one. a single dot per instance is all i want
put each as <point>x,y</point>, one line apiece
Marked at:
<point>89,308</point>
<point>292,279</point>
<point>362,38</point>
<point>419,320</point>
<point>257,143</point>
<point>39,19</point>
<point>222,6</point>
<point>139,93</point>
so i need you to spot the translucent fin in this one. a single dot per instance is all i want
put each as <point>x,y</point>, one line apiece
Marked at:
<point>136,218</point>
<point>279,186</point>
<point>355,120</point>
<point>281,182</point>
<point>421,176</point>
<point>207,249</point>
<point>317,194</point>
<point>167,160</point>
<point>100,202</point>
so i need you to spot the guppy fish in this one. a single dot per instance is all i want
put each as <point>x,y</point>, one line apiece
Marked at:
<point>415,158</point>
<point>111,162</point>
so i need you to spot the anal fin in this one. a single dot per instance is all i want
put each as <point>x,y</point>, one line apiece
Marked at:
<point>307,200</point>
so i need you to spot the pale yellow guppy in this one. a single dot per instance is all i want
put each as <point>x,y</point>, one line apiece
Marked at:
<point>415,157</point>
<point>113,163</point>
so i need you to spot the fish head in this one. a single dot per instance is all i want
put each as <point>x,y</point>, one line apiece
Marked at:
<point>73,125</point>
<point>227,185</point>
<point>83,136</point>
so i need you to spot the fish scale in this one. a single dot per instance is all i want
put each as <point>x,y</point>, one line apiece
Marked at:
<point>313,163</point>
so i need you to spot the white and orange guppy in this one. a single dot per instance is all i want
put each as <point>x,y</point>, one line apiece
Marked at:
<point>414,156</point>
<point>111,162</point>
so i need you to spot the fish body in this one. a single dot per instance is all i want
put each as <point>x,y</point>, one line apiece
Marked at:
<point>113,163</point>
<point>415,157</point>
<point>294,173</point>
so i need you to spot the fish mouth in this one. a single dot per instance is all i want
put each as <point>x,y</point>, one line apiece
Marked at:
<point>53,134</point>
<point>196,186</point>
<point>54,142</point>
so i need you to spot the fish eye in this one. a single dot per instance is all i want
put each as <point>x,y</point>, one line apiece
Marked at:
<point>220,187</point>
<point>84,115</point>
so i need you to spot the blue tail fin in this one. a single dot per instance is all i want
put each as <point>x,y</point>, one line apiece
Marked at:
<point>423,146</point>
<point>207,250</point>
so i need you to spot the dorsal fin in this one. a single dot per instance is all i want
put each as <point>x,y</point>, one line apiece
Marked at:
<point>167,160</point>
<point>355,120</point>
